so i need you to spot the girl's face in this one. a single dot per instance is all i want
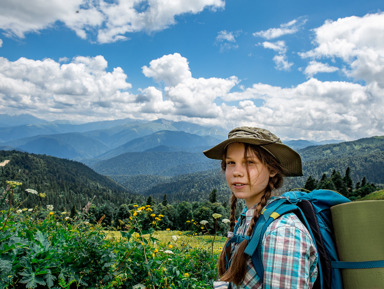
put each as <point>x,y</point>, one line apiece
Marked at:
<point>247,177</point>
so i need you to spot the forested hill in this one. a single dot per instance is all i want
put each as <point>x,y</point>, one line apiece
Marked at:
<point>364,157</point>
<point>64,182</point>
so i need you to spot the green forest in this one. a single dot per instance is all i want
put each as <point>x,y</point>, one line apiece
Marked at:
<point>70,186</point>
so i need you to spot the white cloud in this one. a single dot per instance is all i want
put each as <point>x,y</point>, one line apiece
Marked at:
<point>170,69</point>
<point>358,41</point>
<point>225,36</point>
<point>190,96</point>
<point>281,61</point>
<point>227,40</point>
<point>111,20</point>
<point>287,28</point>
<point>278,46</point>
<point>74,90</point>
<point>315,67</point>
<point>1,42</point>
<point>313,109</point>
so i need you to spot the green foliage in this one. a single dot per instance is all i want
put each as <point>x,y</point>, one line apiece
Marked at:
<point>378,195</point>
<point>343,185</point>
<point>40,248</point>
<point>65,183</point>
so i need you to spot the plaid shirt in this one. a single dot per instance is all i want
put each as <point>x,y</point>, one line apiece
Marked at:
<point>289,255</point>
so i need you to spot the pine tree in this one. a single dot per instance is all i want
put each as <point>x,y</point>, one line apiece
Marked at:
<point>165,201</point>
<point>347,180</point>
<point>339,183</point>
<point>310,184</point>
<point>213,196</point>
<point>150,201</point>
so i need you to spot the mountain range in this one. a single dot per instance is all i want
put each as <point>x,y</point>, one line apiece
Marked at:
<point>161,156</point>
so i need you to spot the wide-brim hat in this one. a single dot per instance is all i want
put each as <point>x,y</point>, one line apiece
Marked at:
<point>289,159</point>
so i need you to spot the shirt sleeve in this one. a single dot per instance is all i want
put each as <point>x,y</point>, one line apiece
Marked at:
<point>289,255</point>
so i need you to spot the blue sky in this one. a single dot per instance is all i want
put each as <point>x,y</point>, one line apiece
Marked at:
<point>303,69</point>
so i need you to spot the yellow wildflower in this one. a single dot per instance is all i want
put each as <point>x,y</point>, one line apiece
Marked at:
<point>156,251</point>
<point>153,215</point>
<point>154,222</point>
<point>168,229</point>
<point>186,275</point>
<point>135,206</point>
<point>170,246</point>
<point>51,213</point>
<point>161,216</point>
<point>134,213</point>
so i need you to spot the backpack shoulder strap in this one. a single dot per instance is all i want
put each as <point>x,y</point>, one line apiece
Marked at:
<point>273,211</point>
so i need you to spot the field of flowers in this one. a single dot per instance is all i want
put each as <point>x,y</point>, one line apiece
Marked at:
<point>42,248</point>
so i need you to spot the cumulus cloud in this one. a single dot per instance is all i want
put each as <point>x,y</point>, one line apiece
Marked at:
<point>111,19</point>
<point>286,28</point>
<point>281,61</point>
<point>170,69</point>
<point>81,87</point>
<point>313,109</point>
<point>315,67</point>
<point>358,41</point>
<point>84,87</point>
<point>1,42</point>
<point>192,97</point>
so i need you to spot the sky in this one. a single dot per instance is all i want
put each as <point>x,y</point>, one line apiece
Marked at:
<point>303,69</point>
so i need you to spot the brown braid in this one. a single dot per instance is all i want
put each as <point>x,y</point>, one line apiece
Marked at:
<point>236,271</point>
<point>222,259</point>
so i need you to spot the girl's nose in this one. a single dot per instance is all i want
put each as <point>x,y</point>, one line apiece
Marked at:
<point>238,171</point>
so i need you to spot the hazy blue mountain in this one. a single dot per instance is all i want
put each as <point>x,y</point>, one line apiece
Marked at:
<point>74,146</point>
<point>301,144</point>
<point>173,140</point>
<point>7,120</point>
<point>154,163</point>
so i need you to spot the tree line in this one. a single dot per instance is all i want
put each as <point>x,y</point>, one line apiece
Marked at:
<point>342,184</point>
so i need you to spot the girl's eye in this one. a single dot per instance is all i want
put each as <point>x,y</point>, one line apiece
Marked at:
<point>230,162</point>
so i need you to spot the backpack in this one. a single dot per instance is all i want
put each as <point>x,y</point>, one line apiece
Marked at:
<point>313,209</point>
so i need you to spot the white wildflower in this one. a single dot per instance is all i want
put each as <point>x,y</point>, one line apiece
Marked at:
<point>225,221</point>
<point>168,252</point>
<point>216,215</point>
<point>50,207</point>
<point>30,210</point>
<point>32,191</point>
<point>204,222</point>
<point>174,238</point>
<point>19,211</point>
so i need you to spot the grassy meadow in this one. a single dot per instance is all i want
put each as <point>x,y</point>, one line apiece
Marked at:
<point>44,248</point>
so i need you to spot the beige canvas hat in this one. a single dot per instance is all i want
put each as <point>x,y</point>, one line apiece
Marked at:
<point>289,159</point>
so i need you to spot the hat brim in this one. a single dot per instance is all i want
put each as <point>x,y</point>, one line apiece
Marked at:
<point>289,159</point>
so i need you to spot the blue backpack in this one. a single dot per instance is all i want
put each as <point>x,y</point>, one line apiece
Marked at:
<point>313,209</point>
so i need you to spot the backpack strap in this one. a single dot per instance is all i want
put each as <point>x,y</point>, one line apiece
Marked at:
<point>358,265</point>
<point>273,211</point>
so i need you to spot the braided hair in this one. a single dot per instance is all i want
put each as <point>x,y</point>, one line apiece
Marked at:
<point>236,271</point>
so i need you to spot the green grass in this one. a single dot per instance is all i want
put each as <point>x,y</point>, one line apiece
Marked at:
<point>183,238</point>
<point>378,195</point>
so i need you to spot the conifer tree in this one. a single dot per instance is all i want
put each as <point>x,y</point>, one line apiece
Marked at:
<point>310,184</point>
<point>339,183</point>
<point>150,201</point>
<point>348,180</point>
<point>165,201</point>
<point>213,196</point>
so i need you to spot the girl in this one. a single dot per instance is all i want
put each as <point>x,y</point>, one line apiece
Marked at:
<point>255,161</point>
